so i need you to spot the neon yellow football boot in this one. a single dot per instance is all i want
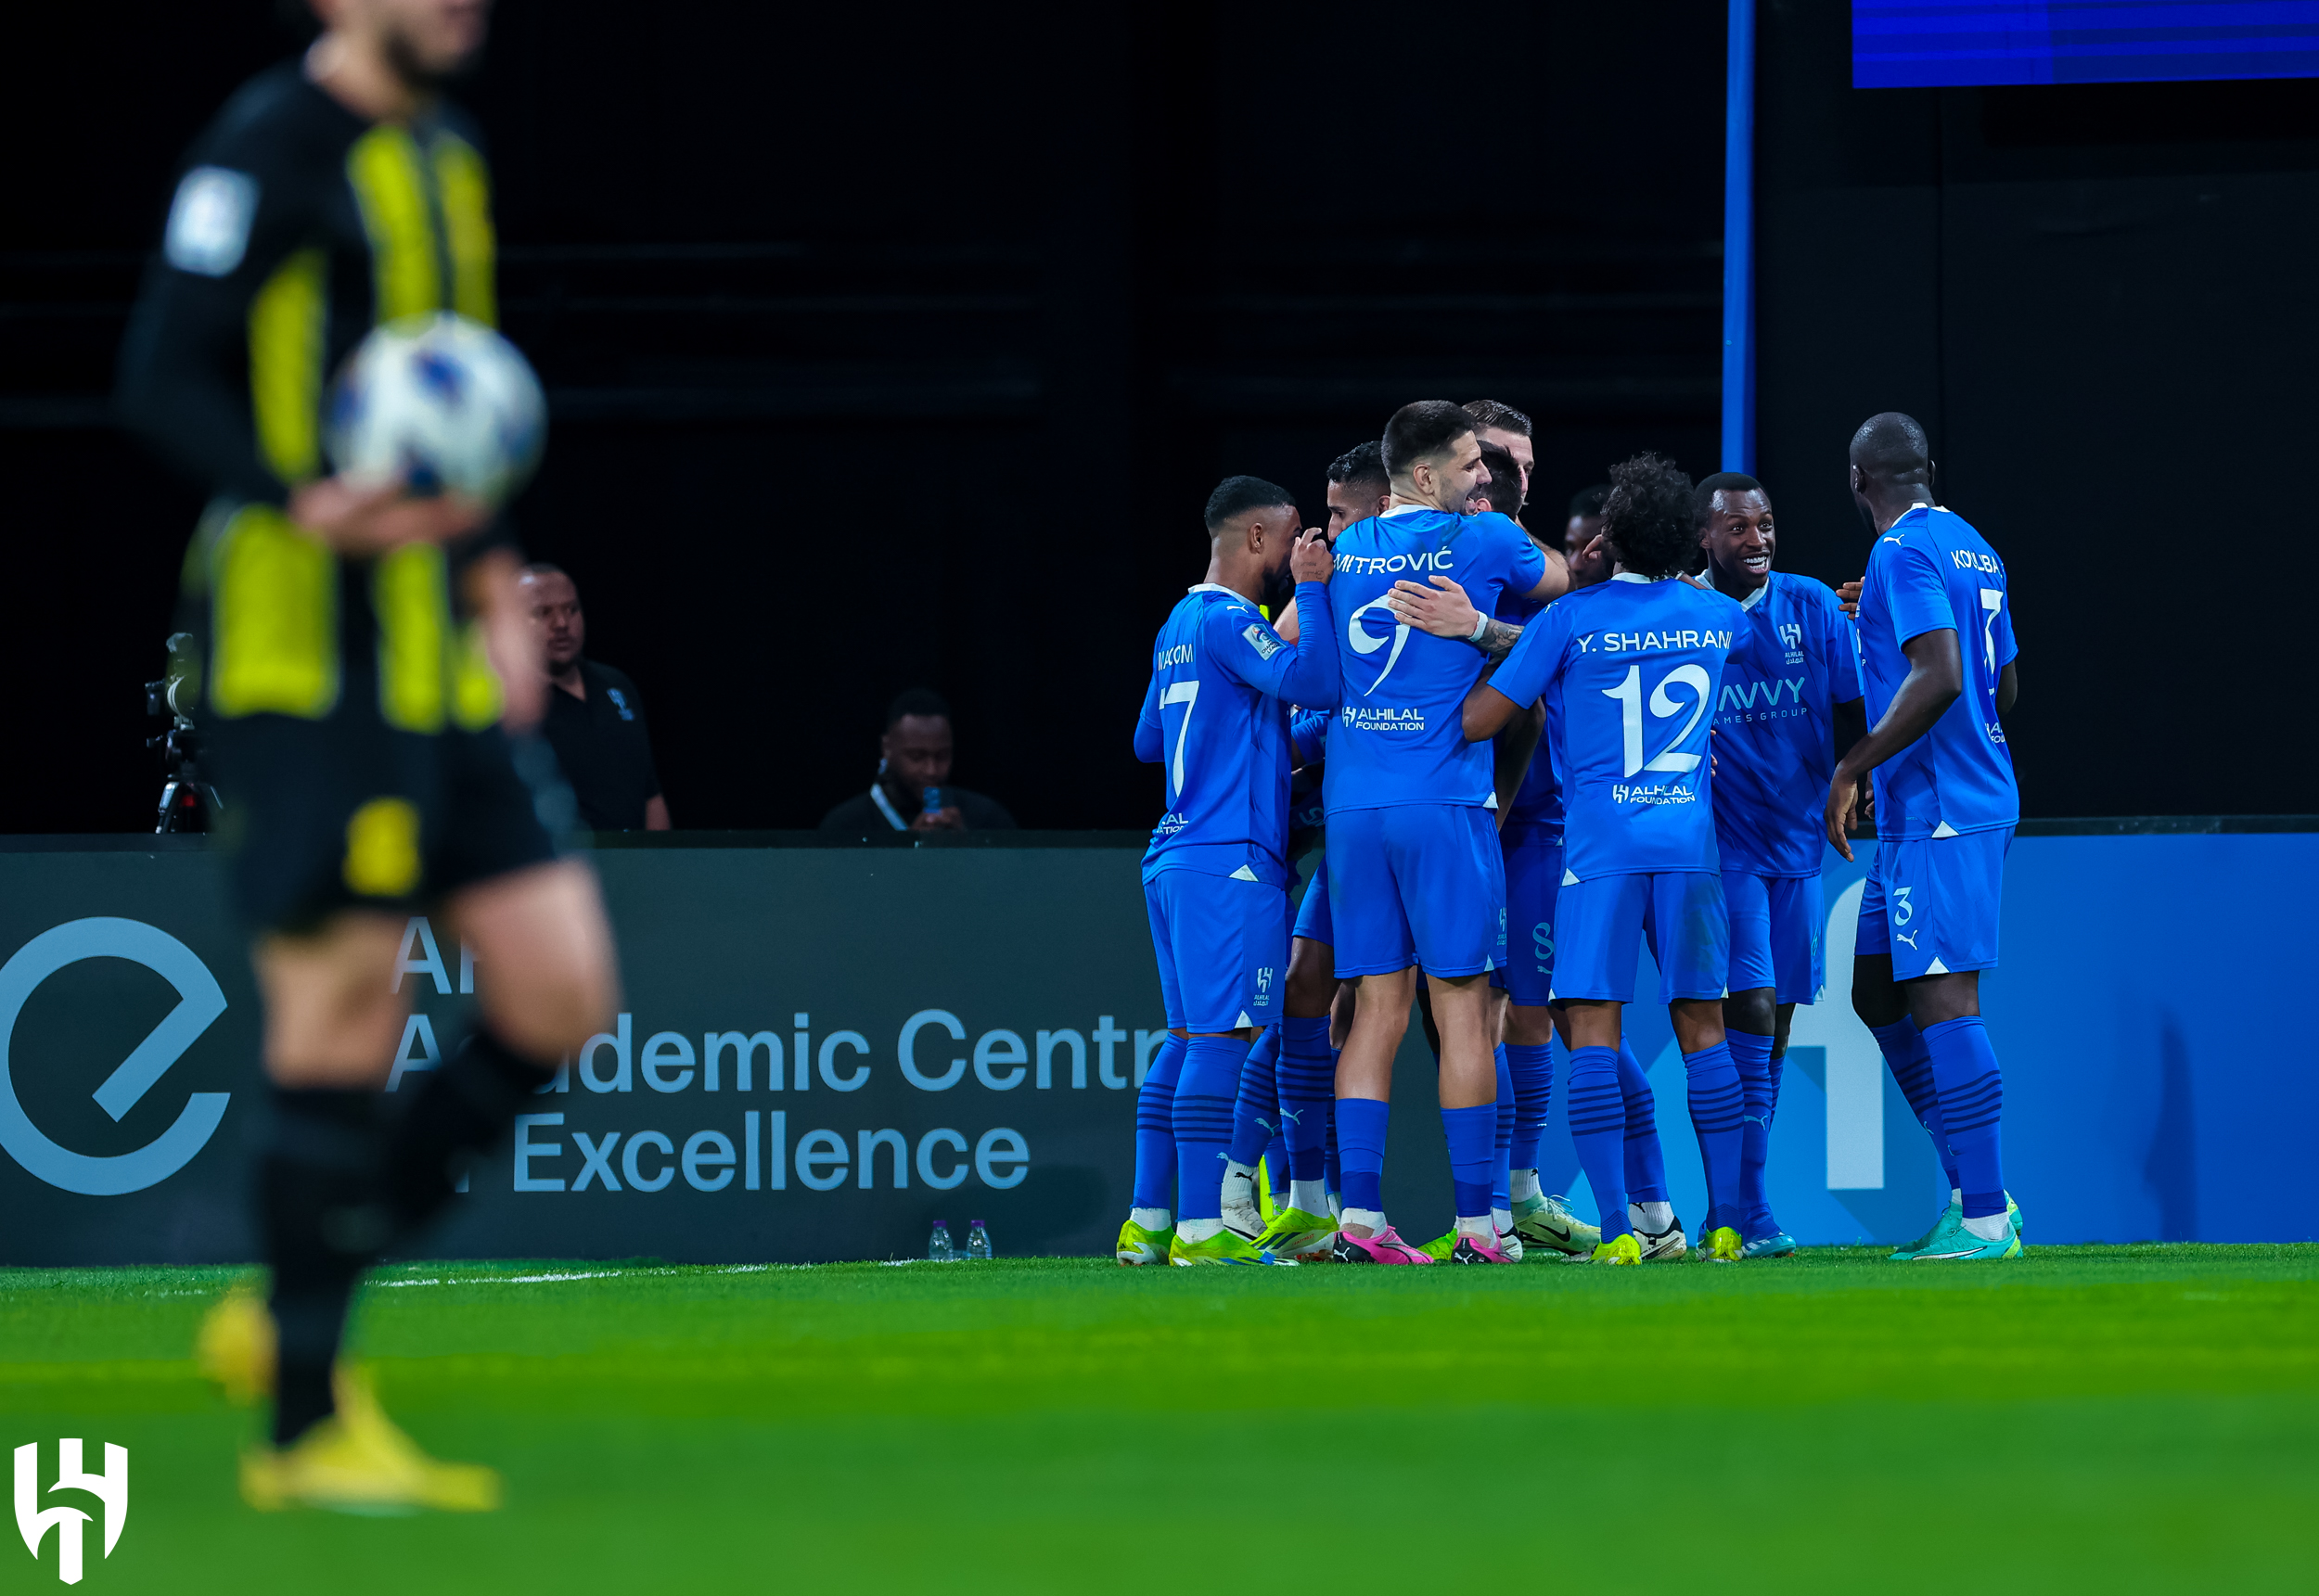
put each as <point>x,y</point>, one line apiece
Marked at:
<point>1222,1247</point>
<point>234,1346</point>
<point>1721,1245</point>
<point>1139,1245</point>
<point>357,1460</point>
<point>1620,1249</point>
<point>1299,1236</point>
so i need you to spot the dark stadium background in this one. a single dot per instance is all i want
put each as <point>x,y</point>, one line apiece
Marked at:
<point>900,346</point>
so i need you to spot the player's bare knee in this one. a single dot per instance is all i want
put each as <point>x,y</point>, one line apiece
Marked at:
<point>1311,985</point>
<point>1752,1011</point>
<point>1698,1023</point>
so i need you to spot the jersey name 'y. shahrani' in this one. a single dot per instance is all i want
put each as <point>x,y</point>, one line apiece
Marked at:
<point>1630,669</point>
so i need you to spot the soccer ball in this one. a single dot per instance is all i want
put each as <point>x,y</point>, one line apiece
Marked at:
<point>441,403</point>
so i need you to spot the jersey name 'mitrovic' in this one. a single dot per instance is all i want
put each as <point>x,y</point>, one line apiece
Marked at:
<point>1215,717</point>
<point>1933,571</point>
<point>1398,737</point>
<point>1791,663</point>
<point>1631,667</point>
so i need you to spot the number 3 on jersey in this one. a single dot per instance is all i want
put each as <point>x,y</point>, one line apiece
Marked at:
<point>1629,694</point>
<point>1187,695</point>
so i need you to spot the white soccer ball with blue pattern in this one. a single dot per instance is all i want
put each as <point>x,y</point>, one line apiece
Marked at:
<point>442,405</point>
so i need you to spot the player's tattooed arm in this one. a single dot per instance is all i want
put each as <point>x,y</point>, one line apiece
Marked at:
<point>1444,610</point>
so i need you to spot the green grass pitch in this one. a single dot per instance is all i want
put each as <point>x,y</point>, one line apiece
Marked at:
<point>2110,1419</point>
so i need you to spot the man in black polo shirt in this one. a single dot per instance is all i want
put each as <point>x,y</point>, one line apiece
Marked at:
<point>595,718</point>
<point>913,791</point>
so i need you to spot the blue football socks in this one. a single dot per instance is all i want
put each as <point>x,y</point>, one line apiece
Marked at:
<point>1751,1056</point>
<point>1598,1112</point>
<point>1911,1064</point>
<point>1972,1096</point>
<point>1473,1135</point>
<point>1532,1069</point>
<point>1332,1165</point>
<point>1155,1128</point>
<point>1717,1108</point>
<point>1361,1148</point>
<point>1255,1113</point>
<point>1203,1123</point>
<point>1645,1162</point>
<point>1307,1076</point>
<point>1501,1167</point>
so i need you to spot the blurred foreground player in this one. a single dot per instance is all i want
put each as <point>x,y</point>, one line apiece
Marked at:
<point>1216,719</point>
<point>1935,658</point>
<point>1631,667</point>
<point>1789,705</point>
<point>353,710</point>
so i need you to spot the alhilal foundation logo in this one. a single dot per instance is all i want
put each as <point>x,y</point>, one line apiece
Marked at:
<point>33,1522</point>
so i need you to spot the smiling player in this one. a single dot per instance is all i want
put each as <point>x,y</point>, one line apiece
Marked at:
<point>1788,706</point>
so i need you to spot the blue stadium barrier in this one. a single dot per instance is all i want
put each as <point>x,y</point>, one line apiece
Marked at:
<point>2156,1083</point>
<point>960,1031</point>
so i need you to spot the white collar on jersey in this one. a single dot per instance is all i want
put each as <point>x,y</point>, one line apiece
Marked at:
<point>1217,587</point>
<point>1637,576</point>
<point>1406,510</point>
<point>1757,596</point>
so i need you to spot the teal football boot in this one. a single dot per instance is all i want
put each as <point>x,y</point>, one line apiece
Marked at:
<point>1961,1245</point>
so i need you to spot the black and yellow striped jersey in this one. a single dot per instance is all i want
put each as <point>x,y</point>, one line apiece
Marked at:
<point>296,227</point>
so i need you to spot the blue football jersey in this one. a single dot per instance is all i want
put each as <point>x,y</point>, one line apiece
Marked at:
<point>1537,806</point>
<point>1931,572</point>
<point>1215,719</point>
<point>1791,663</point>
<point>1398,738</point>
<point>1629,669</point>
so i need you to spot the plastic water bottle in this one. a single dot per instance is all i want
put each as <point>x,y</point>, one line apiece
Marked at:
<point>931,801</point>
<point>978,1242</point>
<point>937,1248</point>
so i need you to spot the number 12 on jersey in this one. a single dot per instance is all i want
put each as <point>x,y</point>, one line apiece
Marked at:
<point>1629,694</point>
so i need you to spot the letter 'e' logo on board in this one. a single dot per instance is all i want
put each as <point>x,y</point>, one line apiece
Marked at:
<point>199,1002</point>
<point>110,1489</point>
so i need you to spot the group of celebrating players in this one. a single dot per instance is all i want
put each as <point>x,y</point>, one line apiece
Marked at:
<point>1530,758</point>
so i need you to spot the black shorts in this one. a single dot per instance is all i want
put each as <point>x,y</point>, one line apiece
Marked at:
<point>322,816</point>
<point>350,729</point>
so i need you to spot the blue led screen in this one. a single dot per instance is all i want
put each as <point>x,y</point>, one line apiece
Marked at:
<point>1929,42</point>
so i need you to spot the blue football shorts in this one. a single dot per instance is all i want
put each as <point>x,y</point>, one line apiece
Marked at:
<point>1534,879</point>
<point>1313,922</point>
<point>1223,946</point>
<point>1605,920</point>
<point>1933,903</point>
<point>1778,925</point>
<point>1416,884</point>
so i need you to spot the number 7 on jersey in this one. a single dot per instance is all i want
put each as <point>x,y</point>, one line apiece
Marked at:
<point>1187,695</point>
